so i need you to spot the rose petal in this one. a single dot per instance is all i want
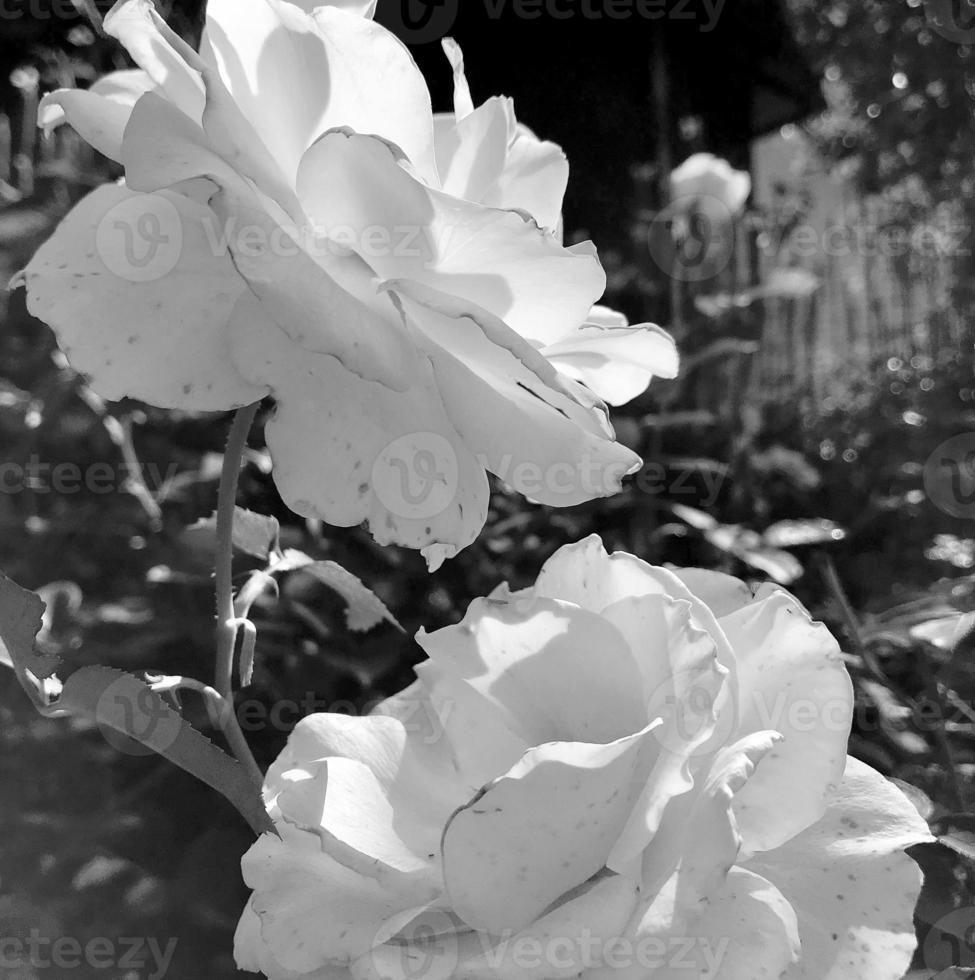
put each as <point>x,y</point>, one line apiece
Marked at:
<point>537,660</point>
<point>97,120</point>
<point>344,798</point>
<point>617,363</point>
<point>477,729</point>
<point>853,889</point>
<point>163,340</point>
<point>493,258</point>
<point>143,33</point>
<point>463,103</point>
<point>364,332</point>
<point>722,593</point>
<point>534,178</point>
<point>412,768</point>
<point>682,681</point>
<point>296,74</point>
<point>346,450</point>
<point>574,934</point>
<point>472,156</point>
<point>313,911</point>
<point>528,425</point>
<point>585,574</point>
<point>252,954</point>
<point>100,113</point>
<point>791,679</point>
<point>747,931</point>
<point>538,831</point>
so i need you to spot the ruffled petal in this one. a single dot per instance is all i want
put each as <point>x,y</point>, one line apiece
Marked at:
<point>677,659</point>
<point>472,155</point>
<point>144,34</point>
<point>162,146</point>
<point>100,113</point>
<point>557,946</point>
<point>682,683</point>
<point>347,450</point>
<point>723,594</point>
<point>538,831</point>
<point>585,574</point>
<point>493,258</point>
<point>617,361</point>
<point>556,671</point>
<point>463,103</point>
<point>485,155</point>
<point>791,679</point>
<point>410,764</point>
<point>295,291</point>
<point>540,433</point>
<point>296,74</point>
<point>97,120</point>
<point>478,731</point>
<point>251,953</point>
<point>534,178</point>
<point>140,300</point>
<point>853,888</point>
<point>313,911</point>
<point>747,931</point>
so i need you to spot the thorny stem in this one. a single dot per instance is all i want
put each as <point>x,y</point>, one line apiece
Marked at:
<point>226,618</point>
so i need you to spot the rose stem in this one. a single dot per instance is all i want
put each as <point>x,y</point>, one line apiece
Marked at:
<point>226,625</point>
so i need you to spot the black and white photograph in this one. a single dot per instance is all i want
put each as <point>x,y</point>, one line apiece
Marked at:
<point>487,489</point>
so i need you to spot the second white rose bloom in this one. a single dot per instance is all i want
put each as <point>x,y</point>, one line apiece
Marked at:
<point>621,772</point>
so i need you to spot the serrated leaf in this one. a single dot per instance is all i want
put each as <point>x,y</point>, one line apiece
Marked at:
<point>959,833</point>
<point>795,533</point>
<point>21,619</point>
<point>364,609</point>
<point>118,702</point>
<point>253,534</point>
<point>122,703</point>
